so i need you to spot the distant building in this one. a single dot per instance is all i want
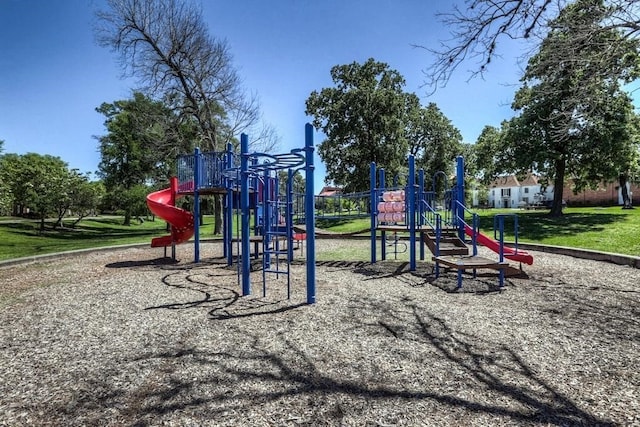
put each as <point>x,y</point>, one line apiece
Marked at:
<point>606,194</point>
<point>508,192</point>
<point>330,191</point>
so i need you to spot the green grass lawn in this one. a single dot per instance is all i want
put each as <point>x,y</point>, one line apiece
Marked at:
<point>603,229</point>
<point>22,238</point>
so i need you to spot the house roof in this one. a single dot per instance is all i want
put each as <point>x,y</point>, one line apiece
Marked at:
<point>505,181</point>
<point>330,191</point>
<point>530,180</point>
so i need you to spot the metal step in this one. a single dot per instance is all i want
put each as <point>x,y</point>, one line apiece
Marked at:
<point>449,244</point>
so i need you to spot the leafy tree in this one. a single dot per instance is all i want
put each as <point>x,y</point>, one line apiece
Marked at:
<point>134,199</point>
<point>39,182</point>
<point>487,153</point>
<point>86,196</point>
<point>9,166</point>
<point>5,194</point>
<point>142,138</point>
<point>364,118</point>
<point>62,205</point>
<point>433,139</point>
<point>299,186</point>
<point>575,119</point>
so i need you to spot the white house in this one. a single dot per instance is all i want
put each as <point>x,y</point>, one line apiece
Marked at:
<point>508,192</point>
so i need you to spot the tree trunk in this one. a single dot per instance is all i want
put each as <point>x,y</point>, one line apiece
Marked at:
<point>58,222</point>
<point>626,200</point>
<point>127,217</point>
<point>217,211</point>
<point>42,223</point>
<point>558,187</point>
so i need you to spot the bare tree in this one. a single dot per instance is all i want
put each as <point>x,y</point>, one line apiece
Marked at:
<point>477,29</point>
<point>603,46</point>
<point>166,45</point>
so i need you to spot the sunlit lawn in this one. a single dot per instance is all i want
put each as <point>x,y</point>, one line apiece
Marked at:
<point>603,229</point>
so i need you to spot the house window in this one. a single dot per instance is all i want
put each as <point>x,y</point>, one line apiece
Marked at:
<point>506,192</point>
<point>526,189</point>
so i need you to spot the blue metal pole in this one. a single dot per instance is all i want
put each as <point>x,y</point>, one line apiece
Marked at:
<point>228,214</point>
<point>196,205</point>
<point>460,194</point>
<point>244,206</point>
<point>420,203</point>
<point>267,220</point>
<point>501,223</point>
<point>289,214</point>
<point>374,207</point>
<point>411,202</point>
<point>310,218</point>
<point>257,200</point>
<point>383,233</point>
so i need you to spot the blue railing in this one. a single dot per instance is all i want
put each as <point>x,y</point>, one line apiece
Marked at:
<point>211,170</point>
<point>460,223</point>
<point>498,229</point>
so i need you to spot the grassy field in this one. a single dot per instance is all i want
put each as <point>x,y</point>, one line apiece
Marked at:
<point>603,229</point>
<point>21,238</point>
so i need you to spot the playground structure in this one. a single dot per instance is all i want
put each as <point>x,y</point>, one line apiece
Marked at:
<point>249,185</point>
<point>437,220</point>
<point>440,225</point>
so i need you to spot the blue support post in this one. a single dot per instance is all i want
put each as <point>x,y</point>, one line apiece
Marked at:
<point>474,237</point>
<point>289,214</point>
<point>460,195</point>
<point>411,202</point>
<point>267,218</point>
<point>383,233</point>
<point>228,214</point>
<point>258,199</point>
<point>310,219</point>
<point>501,228</point>
<point>244,206</point>
<point>196,204</point>
<point>374,207</point>
<point>420,204</point>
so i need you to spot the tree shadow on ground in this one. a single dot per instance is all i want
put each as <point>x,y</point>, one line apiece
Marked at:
<point>83,232</point>
<point>222,299</point>
<point>482,282</point>
<point>163,261</point>
<point>282,371</point>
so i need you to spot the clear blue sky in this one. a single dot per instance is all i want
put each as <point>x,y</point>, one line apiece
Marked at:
<point>53,75</point>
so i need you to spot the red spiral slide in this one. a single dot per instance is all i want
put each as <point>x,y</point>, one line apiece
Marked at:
<point>509,253</point>
<point>162,204</point>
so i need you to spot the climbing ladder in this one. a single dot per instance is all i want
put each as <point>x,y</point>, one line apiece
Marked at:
<point>275,254</point>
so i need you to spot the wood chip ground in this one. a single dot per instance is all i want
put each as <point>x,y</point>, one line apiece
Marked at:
<point>127,338</point>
